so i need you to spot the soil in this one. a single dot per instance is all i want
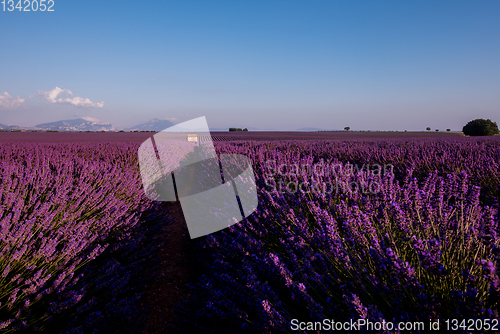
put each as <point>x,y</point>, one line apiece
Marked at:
<point>175,272</point>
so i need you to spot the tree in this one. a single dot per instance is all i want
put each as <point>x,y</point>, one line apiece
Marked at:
<point>428,128</point>
<point>347,128</point>
<point>437,130</point>
<point>448,130</point>
<point>480,127</point>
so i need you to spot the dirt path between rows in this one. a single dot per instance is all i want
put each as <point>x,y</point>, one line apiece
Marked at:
<point>165,292</point>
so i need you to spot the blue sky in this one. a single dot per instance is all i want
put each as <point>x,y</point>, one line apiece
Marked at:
<point>379,65</point>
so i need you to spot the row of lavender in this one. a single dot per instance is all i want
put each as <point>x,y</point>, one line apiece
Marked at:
<point>61,206</point>
<point>423,244</point>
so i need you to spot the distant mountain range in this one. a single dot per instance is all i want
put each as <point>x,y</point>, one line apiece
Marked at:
<point>153,125</point>
<point>160,125</point>
<point>91,124</point>
<point>9,127</point>
<point>79,124</point>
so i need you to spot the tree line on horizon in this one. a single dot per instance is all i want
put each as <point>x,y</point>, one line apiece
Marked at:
<point>476,127</point>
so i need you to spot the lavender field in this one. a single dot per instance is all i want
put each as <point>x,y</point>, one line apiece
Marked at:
<point>73,221</point>
<point>394,229</point>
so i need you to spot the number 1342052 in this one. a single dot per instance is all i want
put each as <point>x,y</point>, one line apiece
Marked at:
<point>28,5</point>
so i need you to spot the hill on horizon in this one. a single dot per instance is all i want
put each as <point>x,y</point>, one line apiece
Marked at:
<point>153,125</point>
<point>79,124</point>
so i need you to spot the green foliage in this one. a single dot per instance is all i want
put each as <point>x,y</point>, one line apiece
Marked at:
<point>428,128</point>
<point>238,129</point>
<point>347,128</point>
<point>480,127</point>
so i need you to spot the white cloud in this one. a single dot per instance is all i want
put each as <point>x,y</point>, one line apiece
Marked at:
<point>53,96</point>
<point>81,102</point>
<point>8,102</point>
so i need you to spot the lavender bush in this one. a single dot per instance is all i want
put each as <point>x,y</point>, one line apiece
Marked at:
<point>424,245</point>
<point>61,207</point>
